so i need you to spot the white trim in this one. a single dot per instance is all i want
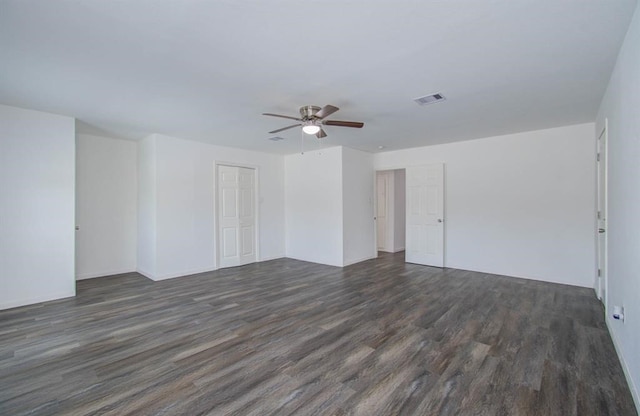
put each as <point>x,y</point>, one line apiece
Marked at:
<point>103,274</point>
<point>350,262</point>
<point>397,250</point>
<point>375,212</point>
<point>315,262</point>
<point>625,368</point>
<point>272,258</point>
<point>183,274</point>
<point>39,299</point>
<point>145,273</point>
<point>197,271</point>
<point>515,276</point>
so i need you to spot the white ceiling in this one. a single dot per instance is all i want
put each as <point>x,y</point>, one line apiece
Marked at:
<point>206,70</point>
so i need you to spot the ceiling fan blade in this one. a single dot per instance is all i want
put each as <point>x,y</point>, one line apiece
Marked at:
<point>326,110</point>
<point>285,128</point>
<point>281,116</point>
<point>355,124</point>
<point>321,134</point>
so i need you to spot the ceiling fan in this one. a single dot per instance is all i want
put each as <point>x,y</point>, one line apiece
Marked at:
<point>312,119</point>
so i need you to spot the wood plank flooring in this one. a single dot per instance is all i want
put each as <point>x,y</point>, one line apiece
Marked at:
<point>287,337</point>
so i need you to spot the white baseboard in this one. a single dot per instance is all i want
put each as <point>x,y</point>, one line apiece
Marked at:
<point>84,276</point>
<point>314,261</point>
<point>517,275</point>
<point>145,273</point>
<point>350,262</point>
<point>38,299</point>
<point>182,274</point>
<point>271,258</point>
<point>395,250</point>
<point>625,367</point>
<point>193,271</point>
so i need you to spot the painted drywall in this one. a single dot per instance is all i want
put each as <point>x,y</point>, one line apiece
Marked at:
<point>357,206</point>
<point>147,191</point>
<point>399,204</point>
<point>183,203</point>
<point>37,206</point>
<point>621,106</point>
<point>519,205</point>
<point>329,206</point>
<point>106,206</point>
<point>313,206</point>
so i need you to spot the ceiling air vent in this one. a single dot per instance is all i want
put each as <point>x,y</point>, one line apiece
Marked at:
<point>275,139</point>
<point>430,99</point>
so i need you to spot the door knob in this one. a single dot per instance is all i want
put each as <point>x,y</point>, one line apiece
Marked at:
<point>601,230</point>
<point>439,220</point>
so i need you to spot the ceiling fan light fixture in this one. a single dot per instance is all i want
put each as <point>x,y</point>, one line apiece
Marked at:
<point>310,128</point>
<point>312,118</point>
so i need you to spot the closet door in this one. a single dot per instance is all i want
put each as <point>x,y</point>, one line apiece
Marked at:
<point>236,216</point>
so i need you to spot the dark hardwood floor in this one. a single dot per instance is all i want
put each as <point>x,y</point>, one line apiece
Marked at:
<point>287,337</point>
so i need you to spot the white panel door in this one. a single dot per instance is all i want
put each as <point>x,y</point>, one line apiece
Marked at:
<point>236,216</point>
<point>425,215</point>
<point>601,241</point>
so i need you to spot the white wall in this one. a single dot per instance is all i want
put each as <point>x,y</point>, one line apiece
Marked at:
<point>399,209</point>
<point>621,106</point>
<point>106,206</point>
<point>184,203</point>
<point>147,195</point>
<point>37,185</point>
<point>182,212</point>
<point>313,201</point>
<point>519,205</point>
<point>329,206</point>
<point>358,206</point>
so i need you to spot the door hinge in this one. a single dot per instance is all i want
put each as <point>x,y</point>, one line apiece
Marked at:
<point>599,215</point>
<point>599,272</point>
<point>598,157</point>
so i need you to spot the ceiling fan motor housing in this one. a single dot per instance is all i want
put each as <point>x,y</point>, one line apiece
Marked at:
<point>308,112</point>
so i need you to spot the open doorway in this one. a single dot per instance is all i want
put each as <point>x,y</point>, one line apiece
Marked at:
<point>390,210</point>
<point>410,213</point>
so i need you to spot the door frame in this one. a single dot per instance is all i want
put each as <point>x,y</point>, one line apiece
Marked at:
<point>377,211</point>
<point>216,200</point>
<point>602,279</point>
<point>444,196</point>
<point>393,209</point>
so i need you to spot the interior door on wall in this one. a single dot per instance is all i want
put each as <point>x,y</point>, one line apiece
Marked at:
<point>425,215</point>
<point>601,242</point>
<point>236,216</point>
<point>382,185</point>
